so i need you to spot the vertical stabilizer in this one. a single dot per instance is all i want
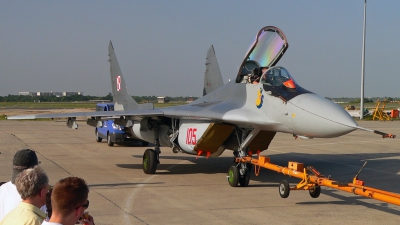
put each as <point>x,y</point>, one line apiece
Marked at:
<point>212,75</point>
<point>122,100</point>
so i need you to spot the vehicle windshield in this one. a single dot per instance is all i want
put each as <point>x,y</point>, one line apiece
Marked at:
<point>276,76</point>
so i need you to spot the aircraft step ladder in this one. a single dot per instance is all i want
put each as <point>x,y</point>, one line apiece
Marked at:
<point>379,111</point>
<point>313,183</point>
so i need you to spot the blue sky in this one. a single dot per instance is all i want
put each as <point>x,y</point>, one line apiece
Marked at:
<point>161,45</point>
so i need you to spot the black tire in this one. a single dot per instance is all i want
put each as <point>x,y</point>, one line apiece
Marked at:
<point>315,192</point>
<point>98,139</point>
<point>249,166</point>
<point>284,189</point>
<point>233,176</point>
<point>109,142</point>
<point>145,143</point>
<point>149,161</point>
<point>245,179</point>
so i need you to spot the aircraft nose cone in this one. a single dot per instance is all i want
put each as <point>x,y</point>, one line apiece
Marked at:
<point>314,116</point>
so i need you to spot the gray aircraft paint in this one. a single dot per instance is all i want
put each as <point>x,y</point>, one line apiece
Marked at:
<point>212,75</point>
<point>122,99</point>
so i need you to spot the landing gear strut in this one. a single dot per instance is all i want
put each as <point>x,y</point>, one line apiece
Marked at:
<point>151,158</point>
<point>244,179</point>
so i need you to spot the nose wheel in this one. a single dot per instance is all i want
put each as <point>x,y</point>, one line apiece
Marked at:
<point>235,178</point>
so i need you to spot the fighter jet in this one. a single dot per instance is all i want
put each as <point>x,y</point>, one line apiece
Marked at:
<point>242,115</point>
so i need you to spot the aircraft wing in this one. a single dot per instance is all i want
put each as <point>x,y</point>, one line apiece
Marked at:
<point>140,113</point>
<point>217,111</point>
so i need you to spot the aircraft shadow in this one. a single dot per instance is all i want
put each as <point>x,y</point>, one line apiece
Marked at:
<point>381,167</point>
<point>380,172</point>
<point>122,184</point>
<point>353,200</point>
<point>133,144</point>
<point>200,165</point>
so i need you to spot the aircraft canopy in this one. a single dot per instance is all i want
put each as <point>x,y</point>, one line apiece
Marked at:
<point>265,51</point>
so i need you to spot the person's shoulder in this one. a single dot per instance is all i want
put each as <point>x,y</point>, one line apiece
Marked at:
<point>9,191</point>
<point>50,223</point>
<point>7,185</point>
<point>7,188</point>
<point>20,215</point>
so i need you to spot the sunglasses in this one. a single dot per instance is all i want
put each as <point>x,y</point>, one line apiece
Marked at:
<point>86,205</point>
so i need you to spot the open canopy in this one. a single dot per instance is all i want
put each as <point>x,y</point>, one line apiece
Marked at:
<point>265,51</point>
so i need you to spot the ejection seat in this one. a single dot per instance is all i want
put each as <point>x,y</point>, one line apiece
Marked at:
<point>246,71</point>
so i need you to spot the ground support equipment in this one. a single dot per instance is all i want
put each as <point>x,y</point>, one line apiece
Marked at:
<point>313,183</point>
<point>379,111</point>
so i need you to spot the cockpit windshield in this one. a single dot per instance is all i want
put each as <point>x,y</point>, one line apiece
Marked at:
<point>278,76</point>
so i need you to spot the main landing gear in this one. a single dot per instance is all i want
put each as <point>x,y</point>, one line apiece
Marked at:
<point>150,161</point>
<point>151,158</point>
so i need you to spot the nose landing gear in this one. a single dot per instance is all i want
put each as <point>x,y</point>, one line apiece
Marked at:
<point>236,178</point>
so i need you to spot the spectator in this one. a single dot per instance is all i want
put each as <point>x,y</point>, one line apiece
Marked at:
<point>32,184</point>
<point>9,196</point>
<point>48,203</point>
<point>69,200</point>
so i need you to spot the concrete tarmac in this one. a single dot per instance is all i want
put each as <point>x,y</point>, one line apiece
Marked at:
<point>189,191</point>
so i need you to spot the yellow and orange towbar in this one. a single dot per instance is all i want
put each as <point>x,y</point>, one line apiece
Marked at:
<point>314,182</point>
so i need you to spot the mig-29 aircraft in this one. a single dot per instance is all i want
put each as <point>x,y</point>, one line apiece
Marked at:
<point>243,115</point>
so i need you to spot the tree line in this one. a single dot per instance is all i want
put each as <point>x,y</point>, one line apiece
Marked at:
<point>83,98</point>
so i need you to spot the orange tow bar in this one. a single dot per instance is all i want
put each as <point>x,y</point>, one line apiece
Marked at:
<point>314,182</point>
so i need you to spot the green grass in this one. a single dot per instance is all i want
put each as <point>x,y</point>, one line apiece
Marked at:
<point>64,105</point>
<point>46,105</point>
<point>162,105</point>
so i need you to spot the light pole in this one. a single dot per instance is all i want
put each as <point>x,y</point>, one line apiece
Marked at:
<point>363,64</point>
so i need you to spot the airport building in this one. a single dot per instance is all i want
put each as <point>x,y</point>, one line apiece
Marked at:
<point>161,99</point>
<point>51,93</point>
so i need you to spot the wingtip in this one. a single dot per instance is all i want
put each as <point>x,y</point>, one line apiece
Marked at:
<point>21,117</point>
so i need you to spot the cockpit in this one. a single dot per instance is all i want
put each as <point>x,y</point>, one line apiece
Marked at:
<point>259,65</point>
<point>278,76</point>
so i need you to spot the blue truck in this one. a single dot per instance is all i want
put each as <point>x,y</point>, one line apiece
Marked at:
<point>114,133</point>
